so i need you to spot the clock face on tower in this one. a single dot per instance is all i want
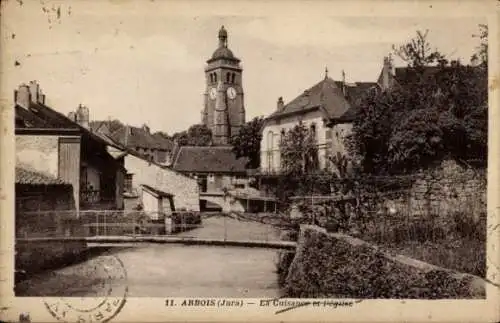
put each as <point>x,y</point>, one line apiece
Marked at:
<point>231,93</point>
<point>213,93</point>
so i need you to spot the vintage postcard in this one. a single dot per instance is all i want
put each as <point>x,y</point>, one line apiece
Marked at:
<point>249,161</point>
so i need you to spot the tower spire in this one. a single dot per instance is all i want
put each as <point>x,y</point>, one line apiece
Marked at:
<point>326,72</point>
<point>222,37</point>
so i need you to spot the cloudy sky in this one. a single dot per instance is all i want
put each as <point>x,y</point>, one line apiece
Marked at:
<point>142,61</point>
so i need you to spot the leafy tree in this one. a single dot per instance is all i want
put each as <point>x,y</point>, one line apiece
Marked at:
<point>482,50</point>
<point>299,151</point>
<point>246,143</point>
<point>196,135</point>
<point>199,135</point>
<point>299,165</point>
<point>417,52</point>
<point>438,110</point>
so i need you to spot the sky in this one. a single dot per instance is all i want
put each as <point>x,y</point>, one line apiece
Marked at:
<point>142,61</point>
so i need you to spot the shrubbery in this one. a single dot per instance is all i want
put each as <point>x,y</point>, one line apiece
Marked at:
<point>185,220</point>
<point>330,267</point>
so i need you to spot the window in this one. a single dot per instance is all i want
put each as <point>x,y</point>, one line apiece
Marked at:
<point>215,77</point>
<point>313,130</point>
<point>270,138</point>
<point>228,77</point>
<point>232,78</point>
<point>128,182</point>
<point>328,134</point>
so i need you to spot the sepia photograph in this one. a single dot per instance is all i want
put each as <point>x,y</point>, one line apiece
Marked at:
<point>208,159</point>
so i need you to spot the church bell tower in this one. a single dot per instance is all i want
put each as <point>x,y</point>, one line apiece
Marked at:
<point>224,111</point>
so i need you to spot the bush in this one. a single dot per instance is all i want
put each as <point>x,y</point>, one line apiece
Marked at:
<point>327,266</point>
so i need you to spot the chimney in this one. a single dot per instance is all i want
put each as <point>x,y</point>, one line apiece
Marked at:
<point>36,93</point>
<point>72,116</point>
<point>22,96</point>
<point>387,73</point>
<point>82,116</point>
<point>280,104</point>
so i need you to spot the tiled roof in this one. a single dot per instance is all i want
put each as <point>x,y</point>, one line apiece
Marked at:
<point>327,95</point>
<point>138,137</point>
<point>210,159</point>
<point>26,176</point>
<point>51,117</point>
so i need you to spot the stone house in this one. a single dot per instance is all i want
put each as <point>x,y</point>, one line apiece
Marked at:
<point>50,143</point>
<point>145,178</point>
<point>144,174</point>
<point>326,109</point>
<point>215,168</point>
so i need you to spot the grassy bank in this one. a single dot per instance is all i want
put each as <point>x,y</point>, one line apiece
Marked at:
<point>336,265</point>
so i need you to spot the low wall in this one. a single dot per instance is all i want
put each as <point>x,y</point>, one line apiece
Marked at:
<point>180,222</point>
<point>337,265</point>
<point>34,257</point>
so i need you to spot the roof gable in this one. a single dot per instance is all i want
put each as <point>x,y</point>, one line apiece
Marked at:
<point>209,159</point>
<point>333,98</point>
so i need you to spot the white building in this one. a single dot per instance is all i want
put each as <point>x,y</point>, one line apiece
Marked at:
<point>327,109</point>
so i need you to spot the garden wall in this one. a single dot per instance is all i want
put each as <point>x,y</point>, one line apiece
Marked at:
<point>448,189</point>
<point>337,265</point>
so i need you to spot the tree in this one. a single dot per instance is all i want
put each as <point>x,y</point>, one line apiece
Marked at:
<point>196,135</point>
<point>482,50</point>
<point>299,151</point>
<point>246,143</point>
<point>438,110</point>
<point>417,52</point>
<point>199,135</point>
<point>300,173</point>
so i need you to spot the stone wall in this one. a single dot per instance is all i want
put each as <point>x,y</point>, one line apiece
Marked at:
<point>40,153</point>
<point>337,265</point>
<point>184,189</point>
<point>449,189</point>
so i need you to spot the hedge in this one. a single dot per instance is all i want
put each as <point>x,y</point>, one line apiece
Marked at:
<point>331,265</point>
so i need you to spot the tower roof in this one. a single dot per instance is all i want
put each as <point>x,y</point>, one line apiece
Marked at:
<point>223,52</point>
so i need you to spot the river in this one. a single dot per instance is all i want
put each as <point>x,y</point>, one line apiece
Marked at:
<point>178,270</point>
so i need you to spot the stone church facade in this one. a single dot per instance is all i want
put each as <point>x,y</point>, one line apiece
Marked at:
<point>224,111</point>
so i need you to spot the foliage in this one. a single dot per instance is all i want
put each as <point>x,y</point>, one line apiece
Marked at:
<point>299,151</point>
<point>481,54</point>
<point>327,266</point>
<point>417,52</point>
<point>246,143</point>
<point>196,135</point>
<point>300,172</point>
<point>433,112</point>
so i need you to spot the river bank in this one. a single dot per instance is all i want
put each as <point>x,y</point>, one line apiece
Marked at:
<point>178,270</point>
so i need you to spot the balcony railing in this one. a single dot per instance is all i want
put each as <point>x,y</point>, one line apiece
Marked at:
<point>95,198</point>
<point>90,196</point>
